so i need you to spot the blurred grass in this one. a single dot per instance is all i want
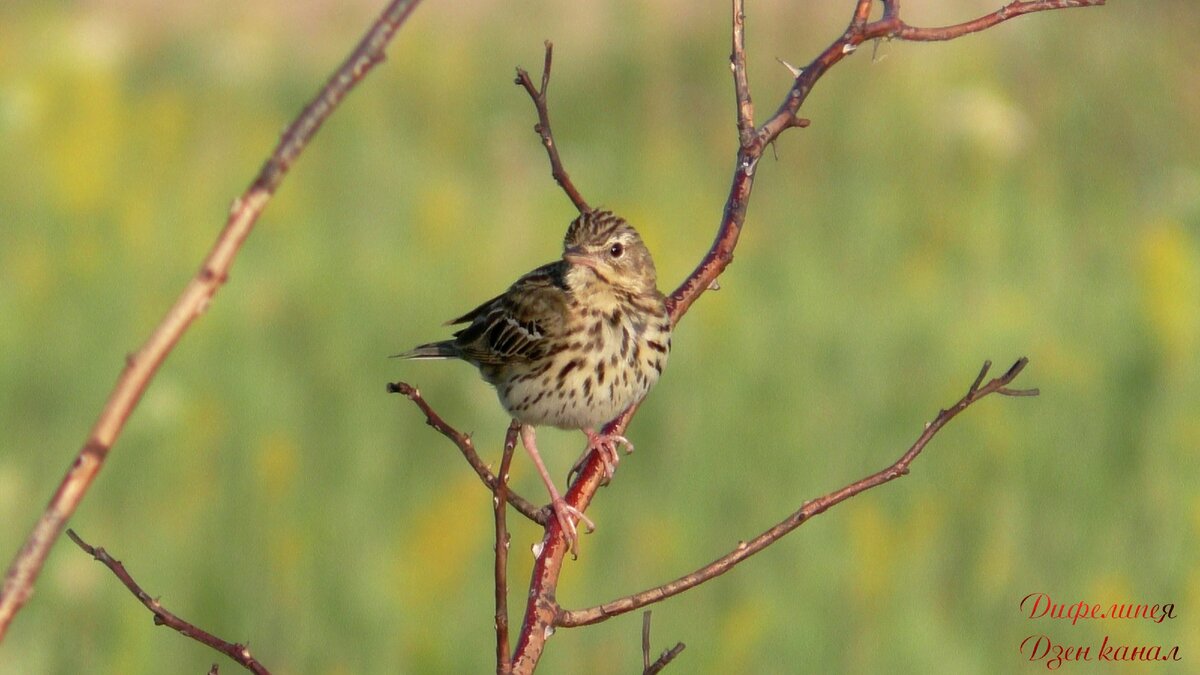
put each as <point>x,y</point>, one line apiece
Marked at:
<point>1034,190</point>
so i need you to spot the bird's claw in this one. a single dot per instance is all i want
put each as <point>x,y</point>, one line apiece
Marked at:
<point>568,516</point>
<point>604,445</point>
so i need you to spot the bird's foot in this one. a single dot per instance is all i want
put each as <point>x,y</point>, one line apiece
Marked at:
<point>604,445</point>
<point>568,517</point>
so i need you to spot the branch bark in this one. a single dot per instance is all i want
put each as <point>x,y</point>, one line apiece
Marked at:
<point>500,507</point>
<point>542,128</point>
<point>240,653</point>
<point>467,447</point>
<point>744,549</point>
<point>142,365</point>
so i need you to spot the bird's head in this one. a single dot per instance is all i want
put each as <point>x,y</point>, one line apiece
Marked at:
<point>602,245</point>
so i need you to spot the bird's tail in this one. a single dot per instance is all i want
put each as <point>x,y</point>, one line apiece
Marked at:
<point>445,349</point>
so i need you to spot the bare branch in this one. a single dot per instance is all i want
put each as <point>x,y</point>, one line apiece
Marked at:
<point>543,130</point>
<point>662,661</point>
<point>141,366</point>
<point>500,505</point>
<point>542,611</point>
<point>645,641</point>
<point>582,617</point>
<point>666,658</point>
<point>741,82</point>
<point>859,30</point>
<point>162,617</point>
<point>467,447</point>
<point>1009,11</point>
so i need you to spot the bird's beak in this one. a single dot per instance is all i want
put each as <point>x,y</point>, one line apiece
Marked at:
<point>576,256</point>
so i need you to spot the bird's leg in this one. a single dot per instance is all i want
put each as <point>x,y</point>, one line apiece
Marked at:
<point>604,445</point>
<point>567,515</point>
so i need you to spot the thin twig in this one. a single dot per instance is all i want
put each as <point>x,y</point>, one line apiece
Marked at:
<point>543,129</point>
<point>999,385</point>
<point>668,656</point>
<point>141,366</point>
<point>741,82</point>
<point>500,506</point>
<point>645,641</point>
<point>162,617</point>
<point>467,447</point>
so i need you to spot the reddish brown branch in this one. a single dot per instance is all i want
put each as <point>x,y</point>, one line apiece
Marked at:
<point>860,30</point>
<point>500,506</point>
<point>544,132</point>
<point>162,617</point>
<point>142,365</point>
<point>999,385</point>
<point>542,611</point>
<point>467,447</point>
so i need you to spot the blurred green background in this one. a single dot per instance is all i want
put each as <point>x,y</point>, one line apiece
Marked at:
<point>1033,190</point>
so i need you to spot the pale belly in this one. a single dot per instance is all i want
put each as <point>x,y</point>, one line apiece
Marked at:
<point>583,390</point>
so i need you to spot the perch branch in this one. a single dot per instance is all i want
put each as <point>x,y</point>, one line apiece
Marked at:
<point>500,506</point>
<point>542,128</point>
<point>141,366</point>
<point>999,385</point>
<point>467,447</point>
<point>542,612</point>
<point>162,617</point>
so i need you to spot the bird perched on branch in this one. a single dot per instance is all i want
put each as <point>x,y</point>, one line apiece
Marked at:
<point>571,344</point>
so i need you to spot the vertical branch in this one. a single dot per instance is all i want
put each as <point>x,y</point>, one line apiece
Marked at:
<point>500,504</point>
<point>741,82</point>
<point>141,366</point>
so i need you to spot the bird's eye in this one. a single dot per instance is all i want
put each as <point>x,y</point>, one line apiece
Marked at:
<point>616,250</point>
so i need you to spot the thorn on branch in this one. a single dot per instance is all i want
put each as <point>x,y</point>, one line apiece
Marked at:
<point>796,72</point>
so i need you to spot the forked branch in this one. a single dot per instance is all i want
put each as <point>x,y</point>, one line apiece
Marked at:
<point>542,612</point>
<point>538,95</point>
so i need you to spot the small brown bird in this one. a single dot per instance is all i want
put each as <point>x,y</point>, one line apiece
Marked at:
<point>571,344</point>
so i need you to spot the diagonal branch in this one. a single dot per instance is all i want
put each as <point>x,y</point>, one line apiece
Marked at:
<point>542,128</point>
<point>467,447</point>
<point>162,617</point>
<point>142,365</point>
<point>999,385</point>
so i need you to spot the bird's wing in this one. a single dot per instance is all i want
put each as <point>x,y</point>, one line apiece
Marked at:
<point>517,324</point>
